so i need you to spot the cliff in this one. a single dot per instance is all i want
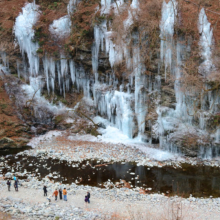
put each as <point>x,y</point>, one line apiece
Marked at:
<point>149,68</point>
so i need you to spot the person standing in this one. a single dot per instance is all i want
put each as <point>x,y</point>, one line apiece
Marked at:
<point>86,200</point>
<point>88,196</point>
<point>45,190</point>
<point>64,194</point>
<point>55,193</point>
<point>60,191</point>
<point>9,184</point>
<point>16,185</point>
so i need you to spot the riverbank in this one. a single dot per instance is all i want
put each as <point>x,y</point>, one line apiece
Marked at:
<point>111,202</point>
<point>29,203</point>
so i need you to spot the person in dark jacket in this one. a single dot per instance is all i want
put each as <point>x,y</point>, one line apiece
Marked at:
<point>16,185</point>
<point>9,184</point>
<point>61,191</point>
<point>45,190</point>
<point>88,196</point>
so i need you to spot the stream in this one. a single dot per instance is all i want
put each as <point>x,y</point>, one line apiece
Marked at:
<point>200,181</point>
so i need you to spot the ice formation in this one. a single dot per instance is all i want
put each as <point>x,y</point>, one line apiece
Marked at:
<point>175,123</point>
<point>107,5</point>
<point>71,6</point>
<point>169,12</point>
<point>106,104</point>
<point>206,41</point>
<point>24,34</point>
<point>61,27</point>
<point>4,70</point>
<point>123,105</point>
<point>5,59</point>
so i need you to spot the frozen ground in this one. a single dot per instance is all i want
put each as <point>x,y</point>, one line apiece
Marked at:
<point>68,146</point>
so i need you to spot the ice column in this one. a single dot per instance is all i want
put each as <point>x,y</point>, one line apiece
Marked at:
<point>206,41</point>
<point>5,59</point>
<point>24,34</point>
<point>99,35</point>
<point>71,6</point>
<point>49,72</point>
<point>169,12</point>
<point>140,93</point>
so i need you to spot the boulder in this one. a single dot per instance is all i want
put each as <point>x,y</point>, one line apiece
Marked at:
<point>21,142</point>
<point>190,151</point>
<point>6,142</point>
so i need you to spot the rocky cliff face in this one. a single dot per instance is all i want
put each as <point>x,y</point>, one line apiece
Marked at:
<point>144,66</point>
<point>14,133</point>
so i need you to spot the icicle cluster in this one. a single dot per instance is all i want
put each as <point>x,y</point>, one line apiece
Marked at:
<point>24,34</point>
<point>124,109</point>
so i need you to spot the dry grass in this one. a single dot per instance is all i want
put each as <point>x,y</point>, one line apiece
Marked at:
<point>4,216</point>
<point>172,210</point>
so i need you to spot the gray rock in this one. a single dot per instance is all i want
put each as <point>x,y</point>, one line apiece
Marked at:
<point>6,142</point>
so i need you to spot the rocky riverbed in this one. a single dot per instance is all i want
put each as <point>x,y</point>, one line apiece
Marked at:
<point>65,146</point>
<point>29,203</point>
<point>111,200</point>
<point>199,181</point>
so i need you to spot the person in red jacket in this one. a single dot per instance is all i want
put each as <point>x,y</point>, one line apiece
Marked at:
<point>55,193</point>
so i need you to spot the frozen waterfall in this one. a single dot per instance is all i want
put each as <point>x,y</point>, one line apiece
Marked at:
<point>125,103</point>
<point>106,104</point>
<point>175,123</point>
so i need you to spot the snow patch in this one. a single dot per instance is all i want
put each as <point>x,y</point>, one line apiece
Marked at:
<point>36,141</point>
<point>61,28</point>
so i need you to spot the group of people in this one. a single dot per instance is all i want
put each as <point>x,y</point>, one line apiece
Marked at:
<point>63,194</point>
<point>15,184</point>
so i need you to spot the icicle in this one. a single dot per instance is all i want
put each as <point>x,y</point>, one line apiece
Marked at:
<point>140,93</point>
<point>206,41</point>
<point>49,72</point>
<point>217,135</point>
<point>135,4</point>
<point>18,68</point>
<point>169,12</point>
<point>71,6</point>
<point>46,73</point>
<point>72,71</point>
<point>24,34</point>
<point>59,77</point>
<point>64,70</point>
<point>5,59</point>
